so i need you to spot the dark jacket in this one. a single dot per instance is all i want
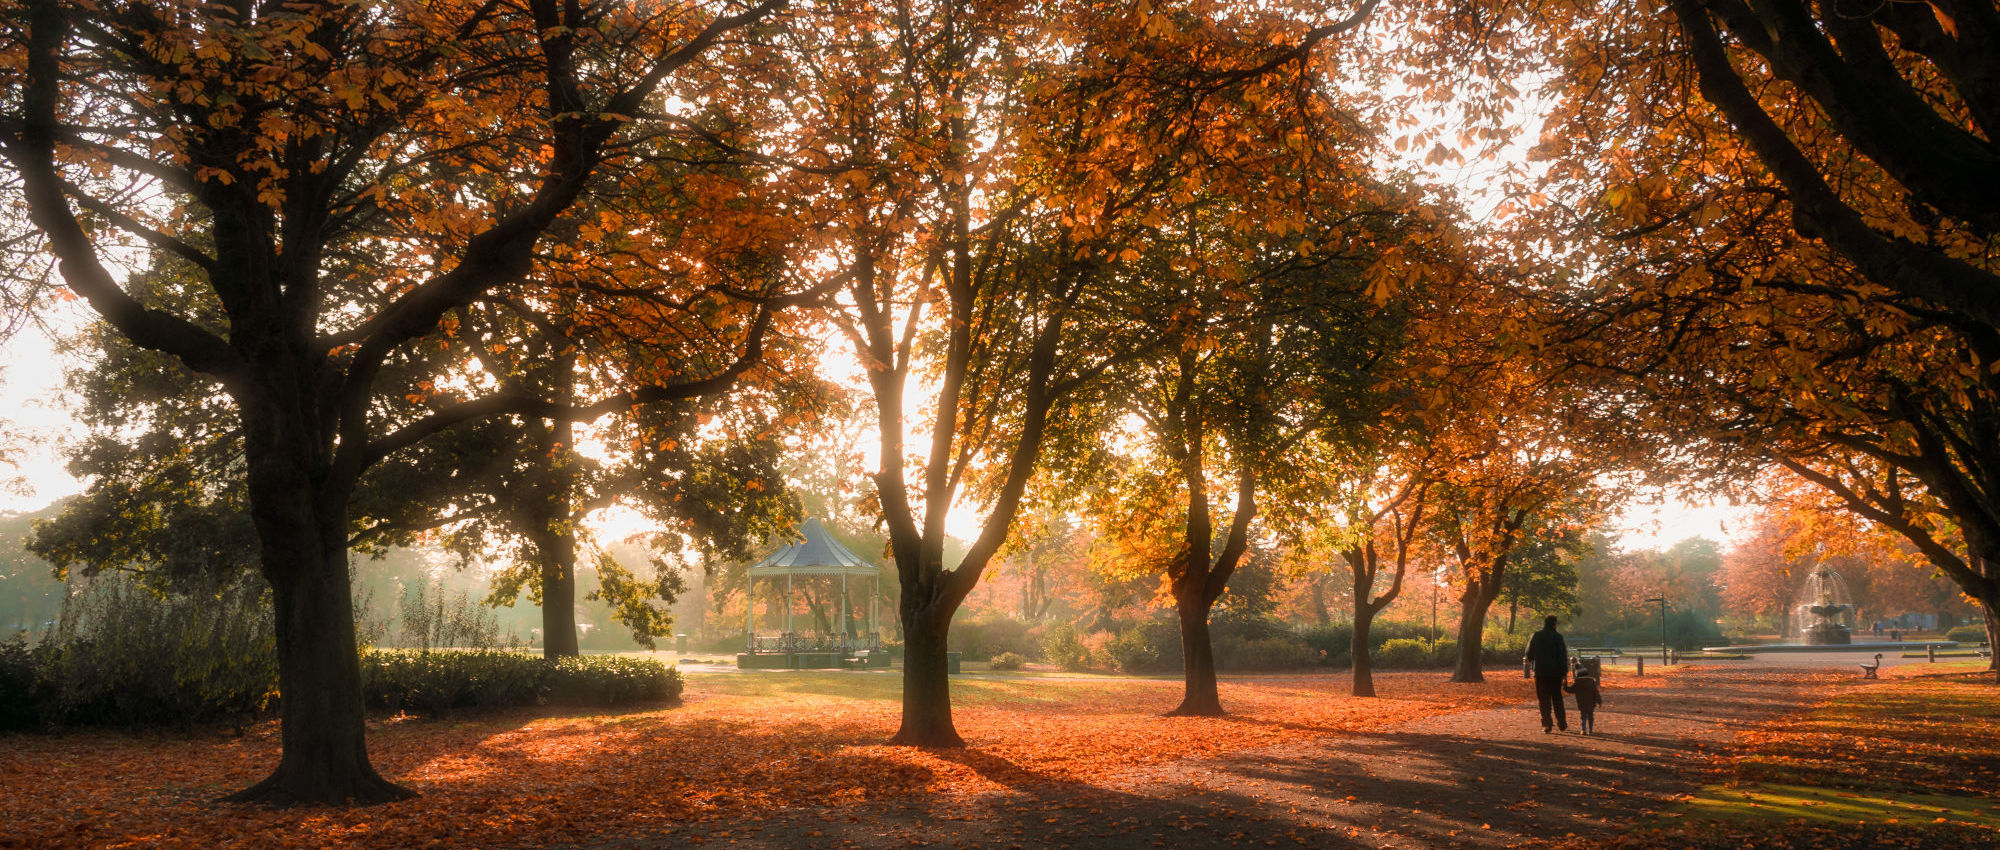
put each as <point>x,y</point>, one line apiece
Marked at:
<point>1588,697</point>
<point>1548,653</point>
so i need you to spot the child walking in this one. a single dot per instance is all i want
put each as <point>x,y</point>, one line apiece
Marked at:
<point>1588,697</point>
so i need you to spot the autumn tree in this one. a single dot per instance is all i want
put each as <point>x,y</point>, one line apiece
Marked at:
<point>286,152</point>
<point>1381,501</point>
<point>1817,90</point>
<point>1799,248</point>
<point>1276,348</point>
<point>989,172</point>
<point>1042,568</point>
<point>1515,477</point>
<point>1758,578</point>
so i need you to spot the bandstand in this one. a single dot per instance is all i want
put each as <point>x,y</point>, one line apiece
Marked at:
<point>820,570</point>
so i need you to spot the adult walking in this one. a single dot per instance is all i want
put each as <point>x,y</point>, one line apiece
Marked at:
<point>1548,655</point>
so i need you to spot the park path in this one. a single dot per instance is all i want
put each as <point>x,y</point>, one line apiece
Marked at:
<point>1488,778</point>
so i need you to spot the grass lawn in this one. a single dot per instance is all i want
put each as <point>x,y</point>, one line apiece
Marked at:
<point>1909,761</point>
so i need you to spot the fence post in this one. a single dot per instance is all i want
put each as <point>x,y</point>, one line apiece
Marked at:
<point>1931,650</point>
<point>1641,659</point>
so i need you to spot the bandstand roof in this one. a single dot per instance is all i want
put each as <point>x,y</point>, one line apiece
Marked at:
<point>818,555</point>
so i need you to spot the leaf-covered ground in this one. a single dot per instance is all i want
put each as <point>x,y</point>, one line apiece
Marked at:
<point>741,747</point>
<point>1713,757</point>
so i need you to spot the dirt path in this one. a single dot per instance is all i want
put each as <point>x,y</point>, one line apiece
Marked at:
<point>1474,779</point>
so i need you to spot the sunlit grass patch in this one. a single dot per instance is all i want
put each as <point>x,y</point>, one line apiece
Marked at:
<point>1910,761</point>
<point>1818,804</point>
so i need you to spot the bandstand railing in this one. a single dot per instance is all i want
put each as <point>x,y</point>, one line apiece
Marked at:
<point>813,643</point>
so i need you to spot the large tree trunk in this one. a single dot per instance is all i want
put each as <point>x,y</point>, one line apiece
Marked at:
<point>1199,697</point>
<point>556,550</point>
<point>1992,636</point>
<point>1364,667</point>
<point>555,527</point>
<point>303,533</point>
<point>926,682</point>
<point>1473,606</point>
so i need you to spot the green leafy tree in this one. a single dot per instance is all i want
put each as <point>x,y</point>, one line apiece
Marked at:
<point>1544,579</point>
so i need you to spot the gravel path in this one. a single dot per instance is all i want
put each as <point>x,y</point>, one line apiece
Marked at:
<point>1487,778</point>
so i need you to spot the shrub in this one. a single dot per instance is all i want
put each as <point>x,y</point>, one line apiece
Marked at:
<point>1149,647</point>
<point>1414,653</point>
<point>125,654</point>
<point>611,680</point>
<point>982,638</point>
<point>1329,643</point>
<point>1271,653</point>
<point>1686,631</point>
<point>1966,634</point>
<point>1063,647</point>
<point>1009,661</point>
<point>1334,644</point>
<point>1097,651</point>
<point>431,619</point>
<point>19,684</point>
<point>437,682</point>
<point>1227,624</point>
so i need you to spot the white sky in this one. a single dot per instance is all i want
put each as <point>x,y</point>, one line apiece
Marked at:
<point>33,419</point>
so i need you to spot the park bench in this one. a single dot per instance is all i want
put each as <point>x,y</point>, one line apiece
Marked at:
<point>866,658</point>
<point>1868,670</point>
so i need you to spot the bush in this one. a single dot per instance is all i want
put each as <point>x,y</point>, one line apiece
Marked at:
<point>125,654</point>
<point>1227,624</point>
<point>19,684</point>
<point>431,619</point>
<point>1153,646</point>
<point>1271,653</point>
<point>612,680</point>
<point>1330,644</point>
<point>1686,631</point>
<point>1414,653</point>
<point>983,638</point>
<point>1063,647</point>
<point>1334,644</point>
<point>437,682</point>
<point>1097,651</point>
<point>1009,661</point>
<point>1966,634</point>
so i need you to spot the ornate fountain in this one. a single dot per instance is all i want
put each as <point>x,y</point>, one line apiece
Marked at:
<point>1822,618</point>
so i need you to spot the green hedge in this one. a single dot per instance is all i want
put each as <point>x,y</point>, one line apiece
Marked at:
<point>438,682</point>
<point>1234,654</point>
<point>1966,634</point>
<point>1333,644</point>
<point>128,655</point>
<point>1414,653</point>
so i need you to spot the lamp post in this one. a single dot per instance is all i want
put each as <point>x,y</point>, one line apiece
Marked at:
<point>1434,615</point>
<point>1663,627</point>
